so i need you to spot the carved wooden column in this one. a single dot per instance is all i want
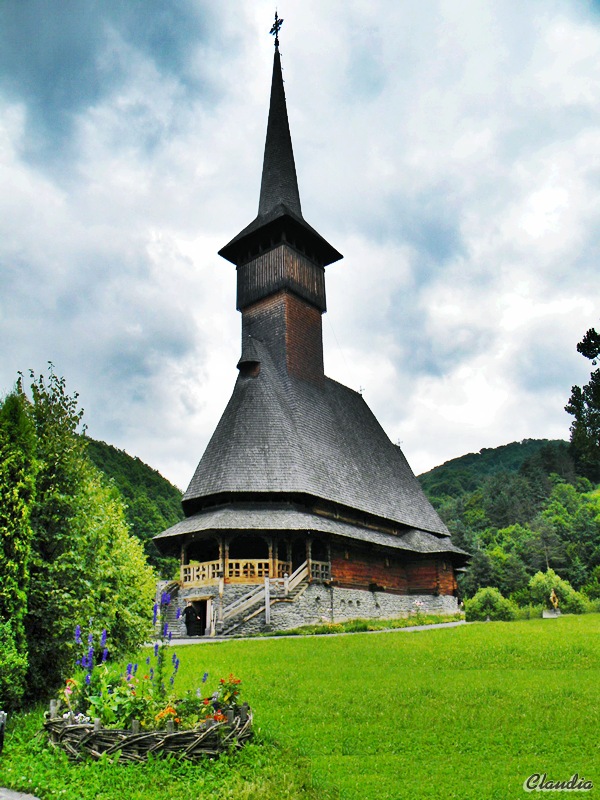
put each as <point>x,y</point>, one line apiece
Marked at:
<point>225,557</point>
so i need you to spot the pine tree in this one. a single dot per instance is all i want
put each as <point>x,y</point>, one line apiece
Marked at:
<point>584,405</point>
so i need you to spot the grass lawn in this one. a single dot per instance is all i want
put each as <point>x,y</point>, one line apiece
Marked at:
<point>467,712</point>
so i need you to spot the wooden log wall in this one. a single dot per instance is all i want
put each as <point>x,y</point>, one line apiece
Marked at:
<point>398,573</point>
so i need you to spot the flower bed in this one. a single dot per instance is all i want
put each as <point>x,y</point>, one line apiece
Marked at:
<point>210,738</point>
<point>133,712</point>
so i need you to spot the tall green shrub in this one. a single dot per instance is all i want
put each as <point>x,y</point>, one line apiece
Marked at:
<point>543,583</point>
<point>488,602</point>
<point>17,471</point>
<point>13,669</point>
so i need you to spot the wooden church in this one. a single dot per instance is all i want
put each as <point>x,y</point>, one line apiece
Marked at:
<point>301,509</point>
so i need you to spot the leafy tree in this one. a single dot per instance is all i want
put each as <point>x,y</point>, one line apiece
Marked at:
<point>584,405</point>
<point>84,564</point>
<point>479,574</point>
<point>152,503</point>
<point>17,486</point>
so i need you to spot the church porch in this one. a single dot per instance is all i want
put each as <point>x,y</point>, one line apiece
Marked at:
<point>248,559</point>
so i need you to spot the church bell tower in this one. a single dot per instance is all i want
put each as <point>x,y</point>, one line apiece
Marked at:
<point>281,259</point>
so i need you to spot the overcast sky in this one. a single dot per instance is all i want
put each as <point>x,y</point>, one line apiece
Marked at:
<point>449,149</point>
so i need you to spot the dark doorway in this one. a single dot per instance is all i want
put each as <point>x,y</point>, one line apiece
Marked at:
<point>298,554</point>
<point>318,550</point>
<point>197,626</point>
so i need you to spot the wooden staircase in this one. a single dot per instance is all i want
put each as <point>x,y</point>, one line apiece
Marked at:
<point>254,603</point>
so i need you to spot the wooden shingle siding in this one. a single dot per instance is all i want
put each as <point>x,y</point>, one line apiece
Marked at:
<point>280,268</point>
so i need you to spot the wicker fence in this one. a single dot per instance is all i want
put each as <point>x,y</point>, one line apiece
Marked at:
<point>209,739</point>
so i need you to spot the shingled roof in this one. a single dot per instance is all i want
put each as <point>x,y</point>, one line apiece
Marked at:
<point>279,209</point>
<point>280,434</point>
<point>295,450</point>
<point>288,517</point>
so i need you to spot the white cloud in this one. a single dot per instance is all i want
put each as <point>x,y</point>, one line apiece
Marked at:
<point>449,150</point>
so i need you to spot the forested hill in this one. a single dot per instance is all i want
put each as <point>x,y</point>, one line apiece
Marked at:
<point>153,503</point>
<point>520,509</point>
<point>468,472</point>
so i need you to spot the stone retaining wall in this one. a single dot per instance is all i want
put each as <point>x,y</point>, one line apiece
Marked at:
<point>316,604</point>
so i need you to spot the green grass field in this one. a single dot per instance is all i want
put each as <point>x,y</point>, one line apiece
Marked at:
<point>467,712</point>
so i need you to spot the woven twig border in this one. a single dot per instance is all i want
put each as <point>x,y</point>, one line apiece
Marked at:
<point>210,739</point>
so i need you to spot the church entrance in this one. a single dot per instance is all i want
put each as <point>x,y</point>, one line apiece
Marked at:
<point>196,621</point>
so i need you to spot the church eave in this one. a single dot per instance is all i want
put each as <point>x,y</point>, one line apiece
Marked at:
<point>280,227</point>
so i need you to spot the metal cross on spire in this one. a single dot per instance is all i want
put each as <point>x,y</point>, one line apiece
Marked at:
<point>275,29</point>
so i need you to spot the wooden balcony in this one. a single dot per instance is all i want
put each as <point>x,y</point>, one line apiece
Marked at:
<point>205,573</point>
<point>243,570</point>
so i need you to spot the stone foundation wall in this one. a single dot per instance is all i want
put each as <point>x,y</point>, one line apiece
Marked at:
<point>333,604</point>
<point>316,604</point>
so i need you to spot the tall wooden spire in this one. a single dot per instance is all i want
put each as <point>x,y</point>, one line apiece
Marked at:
<point>279,216</point>
<point>279,184</point>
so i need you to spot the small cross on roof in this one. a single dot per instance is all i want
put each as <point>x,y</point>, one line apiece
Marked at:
<point>275,29</point>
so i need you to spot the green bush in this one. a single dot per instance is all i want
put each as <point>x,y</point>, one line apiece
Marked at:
<point>488,602</point>
<point>592,587</point>
<point>528,611</point>
<point>570,601</point>
<point>13,669</point>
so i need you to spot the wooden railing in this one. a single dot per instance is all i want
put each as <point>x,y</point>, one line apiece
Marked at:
<point>247,569</point>
<point>206,572</point>
<point>283,568</point>
<point>241,570</point>
<point>278,587</point>
<point>244,603</point>
<point>320,570</point>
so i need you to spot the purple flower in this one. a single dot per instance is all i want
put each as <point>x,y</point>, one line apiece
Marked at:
<point>174,658</point>
<point>103,638</point>
<point>104,655</point>
<point>155,614</point>
<point>156,650</point>
<point>170,635</point>
<point>165,599</point>
<point>88,679</point>
<point>90,638</point>
<point>129,668</point>
<point>172,680</point>
<point>135,668</point>
<point>205,677</point>
<point>166,629</point>
<point>178,615</point>
<point>78,663</point>
<point>78,634</point>
<point>148,661</point>
<point>151,674</point>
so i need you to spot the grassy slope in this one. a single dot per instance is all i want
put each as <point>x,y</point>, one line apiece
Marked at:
<point>462,713</point>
